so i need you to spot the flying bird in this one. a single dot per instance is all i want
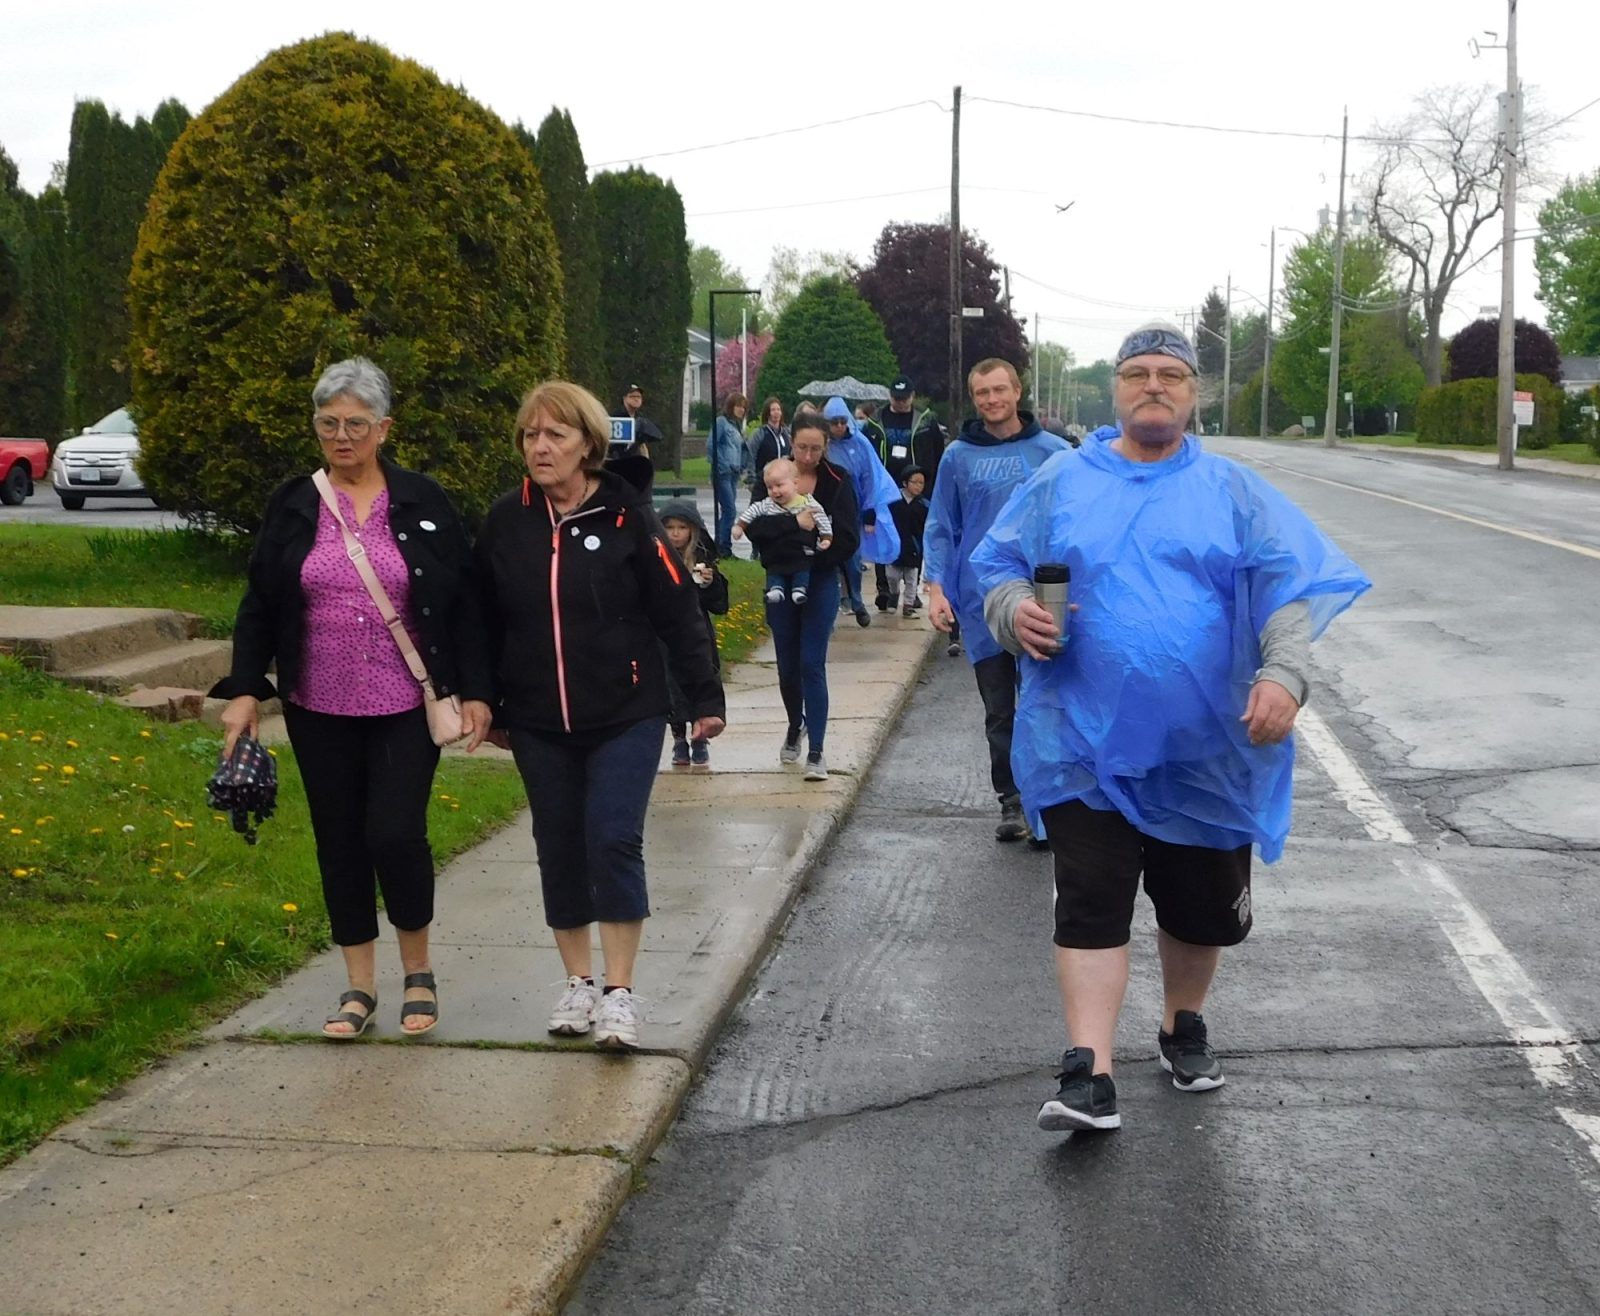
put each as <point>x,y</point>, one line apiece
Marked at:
<point>1061,210</point>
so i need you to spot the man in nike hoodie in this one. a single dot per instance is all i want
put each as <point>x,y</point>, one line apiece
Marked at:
<point>986,463</point>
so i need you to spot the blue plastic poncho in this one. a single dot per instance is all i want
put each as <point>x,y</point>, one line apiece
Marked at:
<point>1176,566</point>
<point>875,491</point>
<point>977,474</point>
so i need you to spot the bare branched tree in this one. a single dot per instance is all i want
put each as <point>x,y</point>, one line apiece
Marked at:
<point>1435,187</point>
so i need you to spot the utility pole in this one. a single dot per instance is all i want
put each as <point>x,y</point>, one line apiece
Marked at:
<point>1227,353</point>
<point>1511,143</point>
<point>1330,425</point>
<point>955,264</point>
<point>1266,349</point>
<point>1007,270</point>
<point>1038,395</point>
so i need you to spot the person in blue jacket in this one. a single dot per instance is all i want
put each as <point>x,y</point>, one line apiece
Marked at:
<point>988,460</point>
<point>849,448</point>
<point>730,459</point>
<point>1153,736</point>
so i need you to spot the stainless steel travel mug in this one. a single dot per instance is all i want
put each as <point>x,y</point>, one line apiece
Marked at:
<point>1050,588</point>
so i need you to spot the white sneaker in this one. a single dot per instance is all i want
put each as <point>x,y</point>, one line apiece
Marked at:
<point>575,1010</point>
<point>816,767</point>
<point>616,1020</point>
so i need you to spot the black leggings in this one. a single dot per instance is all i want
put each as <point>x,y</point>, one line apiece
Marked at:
<point>367,781</point>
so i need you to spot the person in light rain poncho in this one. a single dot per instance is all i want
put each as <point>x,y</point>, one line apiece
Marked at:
<point>1157,739</point>
<point>850,449</point>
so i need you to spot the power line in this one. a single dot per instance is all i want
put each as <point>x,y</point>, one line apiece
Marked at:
<point>1080,297</point>
<point>868,196</point>
<point>1551,127</point>
<point>762,137</point>
<point>1211,127</point>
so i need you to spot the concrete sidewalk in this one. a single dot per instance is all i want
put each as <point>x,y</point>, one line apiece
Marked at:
<point>478,1168</point>
<point>1487,457</point>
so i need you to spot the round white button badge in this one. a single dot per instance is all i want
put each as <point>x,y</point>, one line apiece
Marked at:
<point>592,542</point>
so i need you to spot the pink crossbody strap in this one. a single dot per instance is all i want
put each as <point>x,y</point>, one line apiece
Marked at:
<point>369,578</point>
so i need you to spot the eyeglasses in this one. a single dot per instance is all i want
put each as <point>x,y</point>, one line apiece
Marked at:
<point>1139,376</point>
<point>357,427</point>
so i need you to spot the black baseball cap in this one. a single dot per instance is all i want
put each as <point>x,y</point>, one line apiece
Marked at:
<point>632,388</point>
<point>901,388</point>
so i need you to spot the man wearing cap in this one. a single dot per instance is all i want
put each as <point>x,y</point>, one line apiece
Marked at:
<point>645,430</point>
<point>991,456</point>
<point>906,437</point>
<point>1152,735</point>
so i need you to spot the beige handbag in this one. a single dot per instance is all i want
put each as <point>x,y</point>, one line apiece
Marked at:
<point>445,722</point>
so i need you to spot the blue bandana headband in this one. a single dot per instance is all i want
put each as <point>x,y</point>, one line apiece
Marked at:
<point>1158,342</point>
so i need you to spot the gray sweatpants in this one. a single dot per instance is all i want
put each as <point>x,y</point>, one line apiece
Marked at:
<point>903,583</point>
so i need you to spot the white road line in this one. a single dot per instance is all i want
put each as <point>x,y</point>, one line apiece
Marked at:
<point>1350,784</point>
<point>1531,535</point>
<point>1552,1051</point>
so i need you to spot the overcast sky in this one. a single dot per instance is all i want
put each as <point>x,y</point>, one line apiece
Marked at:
<point>1160,214</point>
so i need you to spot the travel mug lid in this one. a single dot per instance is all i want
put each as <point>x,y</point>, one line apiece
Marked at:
<point>1051,573</point>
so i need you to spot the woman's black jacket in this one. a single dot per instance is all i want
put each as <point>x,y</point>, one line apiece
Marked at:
<point>576,607</point>
<point>838,498</point>
<point>444,600</point>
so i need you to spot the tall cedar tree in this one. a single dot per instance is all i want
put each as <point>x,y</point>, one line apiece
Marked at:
<point>559,156</point>
<point>32,362</point>
<point>908,285</point>
<point>111,169</point>
<point>337,201</point>
<point>644,296</point>
<point>1474,353</point>
<point>827,331</point>
<point>1210,339</point>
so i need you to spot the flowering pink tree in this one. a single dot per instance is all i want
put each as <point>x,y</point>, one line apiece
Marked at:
<point>729,365</point>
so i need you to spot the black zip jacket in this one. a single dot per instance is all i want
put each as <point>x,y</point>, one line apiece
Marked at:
<point>911,520</point>
<point>270,625</point>
<point>767,445</point>
<point>576,607</point>
<point>837,495</point>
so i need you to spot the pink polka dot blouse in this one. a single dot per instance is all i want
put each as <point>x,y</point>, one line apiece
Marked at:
<point>350,664</point>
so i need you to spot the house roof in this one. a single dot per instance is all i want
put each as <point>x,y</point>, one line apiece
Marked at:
<point>700,345</point>
<point>1580,368</point>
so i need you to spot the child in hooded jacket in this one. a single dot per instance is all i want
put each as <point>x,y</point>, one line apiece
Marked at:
<point>910,516</point>
<point>686,532</point>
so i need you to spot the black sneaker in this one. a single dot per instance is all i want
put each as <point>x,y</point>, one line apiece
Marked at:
<point>1187,1056</point>
<point>863,617</point>
<point>1012,825</point>
<point>1085,1100</point>
<point>1038,843</point>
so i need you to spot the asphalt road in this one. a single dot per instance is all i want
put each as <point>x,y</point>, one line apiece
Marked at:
<point>1412,1118</point>
<point>44,508</point>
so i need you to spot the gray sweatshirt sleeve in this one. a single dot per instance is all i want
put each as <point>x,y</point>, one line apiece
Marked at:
<point>1000,611</point>
<point>1286,649</point>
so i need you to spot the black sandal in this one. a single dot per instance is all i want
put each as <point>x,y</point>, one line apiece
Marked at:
<point>430,1008</point>
<point>358,1022</point>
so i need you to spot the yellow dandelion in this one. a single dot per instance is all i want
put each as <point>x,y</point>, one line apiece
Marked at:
<point>112,936</point>
<point>229,885</point>
<point>95,831</point>
<point>36,739</point>
<point>72,744</point>
<point>5,735</point>
<point>19,872</point>
<point>220,943</point>
<point>41,767</point>
<point>116,758</point>
<point>138,758</point>
<point>33,780</point>
<point>67,770</point>
<point>145,735</point>
<point>289,908</point>
<point>218,817</point>
<point>165,845</point>
<point>15,831</point>
<point>444,797</point>
<point>180,876</point>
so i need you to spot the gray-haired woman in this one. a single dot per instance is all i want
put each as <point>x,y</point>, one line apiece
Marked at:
<point>352,707</point>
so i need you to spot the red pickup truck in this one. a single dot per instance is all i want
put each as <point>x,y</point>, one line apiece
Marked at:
<point>23,462</point>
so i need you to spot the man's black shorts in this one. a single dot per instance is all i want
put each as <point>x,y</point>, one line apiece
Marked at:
<point>1202,896</point>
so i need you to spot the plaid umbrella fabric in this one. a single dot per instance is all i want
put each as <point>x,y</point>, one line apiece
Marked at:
<point>244,783</point>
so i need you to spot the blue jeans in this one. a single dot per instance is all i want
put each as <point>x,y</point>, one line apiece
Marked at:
<point>726,490</point>
<point>588,793</point>
<point>852,579</point>
<point>788,582</point>
<point>800,636</point>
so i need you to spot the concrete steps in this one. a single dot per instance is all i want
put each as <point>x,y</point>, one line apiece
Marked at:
<point>153,658</point>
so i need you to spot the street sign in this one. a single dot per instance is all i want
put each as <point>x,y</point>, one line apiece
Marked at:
<point>621,435</point>
<point>1349,397</point>
<point>1522,408</point>
<point>1308,422</point>
<point>972,312</point>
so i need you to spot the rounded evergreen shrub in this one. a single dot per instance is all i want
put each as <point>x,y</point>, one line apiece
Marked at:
<point>338,201</point>
<point>826,332</point>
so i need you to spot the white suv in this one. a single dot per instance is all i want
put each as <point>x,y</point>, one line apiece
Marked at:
<point>99,463</point>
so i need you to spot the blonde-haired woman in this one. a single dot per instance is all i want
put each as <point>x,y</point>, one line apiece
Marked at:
<point>588,604</point>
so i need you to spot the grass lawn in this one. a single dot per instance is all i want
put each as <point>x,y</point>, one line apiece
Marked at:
<point>1579,453</point>
<point>745,626</point>
<point>130,914</point>
<point>696,470</point>
<point>68,566</point>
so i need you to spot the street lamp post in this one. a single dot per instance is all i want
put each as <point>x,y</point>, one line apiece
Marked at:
<point>1330,426</point>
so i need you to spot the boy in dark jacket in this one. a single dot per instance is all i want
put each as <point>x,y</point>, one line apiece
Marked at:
<point>686,532</point>
<point>910,518</point>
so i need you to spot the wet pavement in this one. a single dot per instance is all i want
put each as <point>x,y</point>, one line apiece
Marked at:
<point>1412,1117</point>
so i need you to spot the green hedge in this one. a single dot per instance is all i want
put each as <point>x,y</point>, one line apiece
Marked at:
<point>1466,412</point>
<point>338,201</point>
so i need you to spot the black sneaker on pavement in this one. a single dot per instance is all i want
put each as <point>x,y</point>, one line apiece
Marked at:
<point>863,617</point>
<point>1085,1100</point>
<point>1012,825</point>
<point>1187,1056</point>
<point>1038,843</point>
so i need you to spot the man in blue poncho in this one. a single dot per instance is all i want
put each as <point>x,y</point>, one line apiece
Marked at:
<point>1156,739</point>
<point>850,449</point>
<point>990,457</point>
